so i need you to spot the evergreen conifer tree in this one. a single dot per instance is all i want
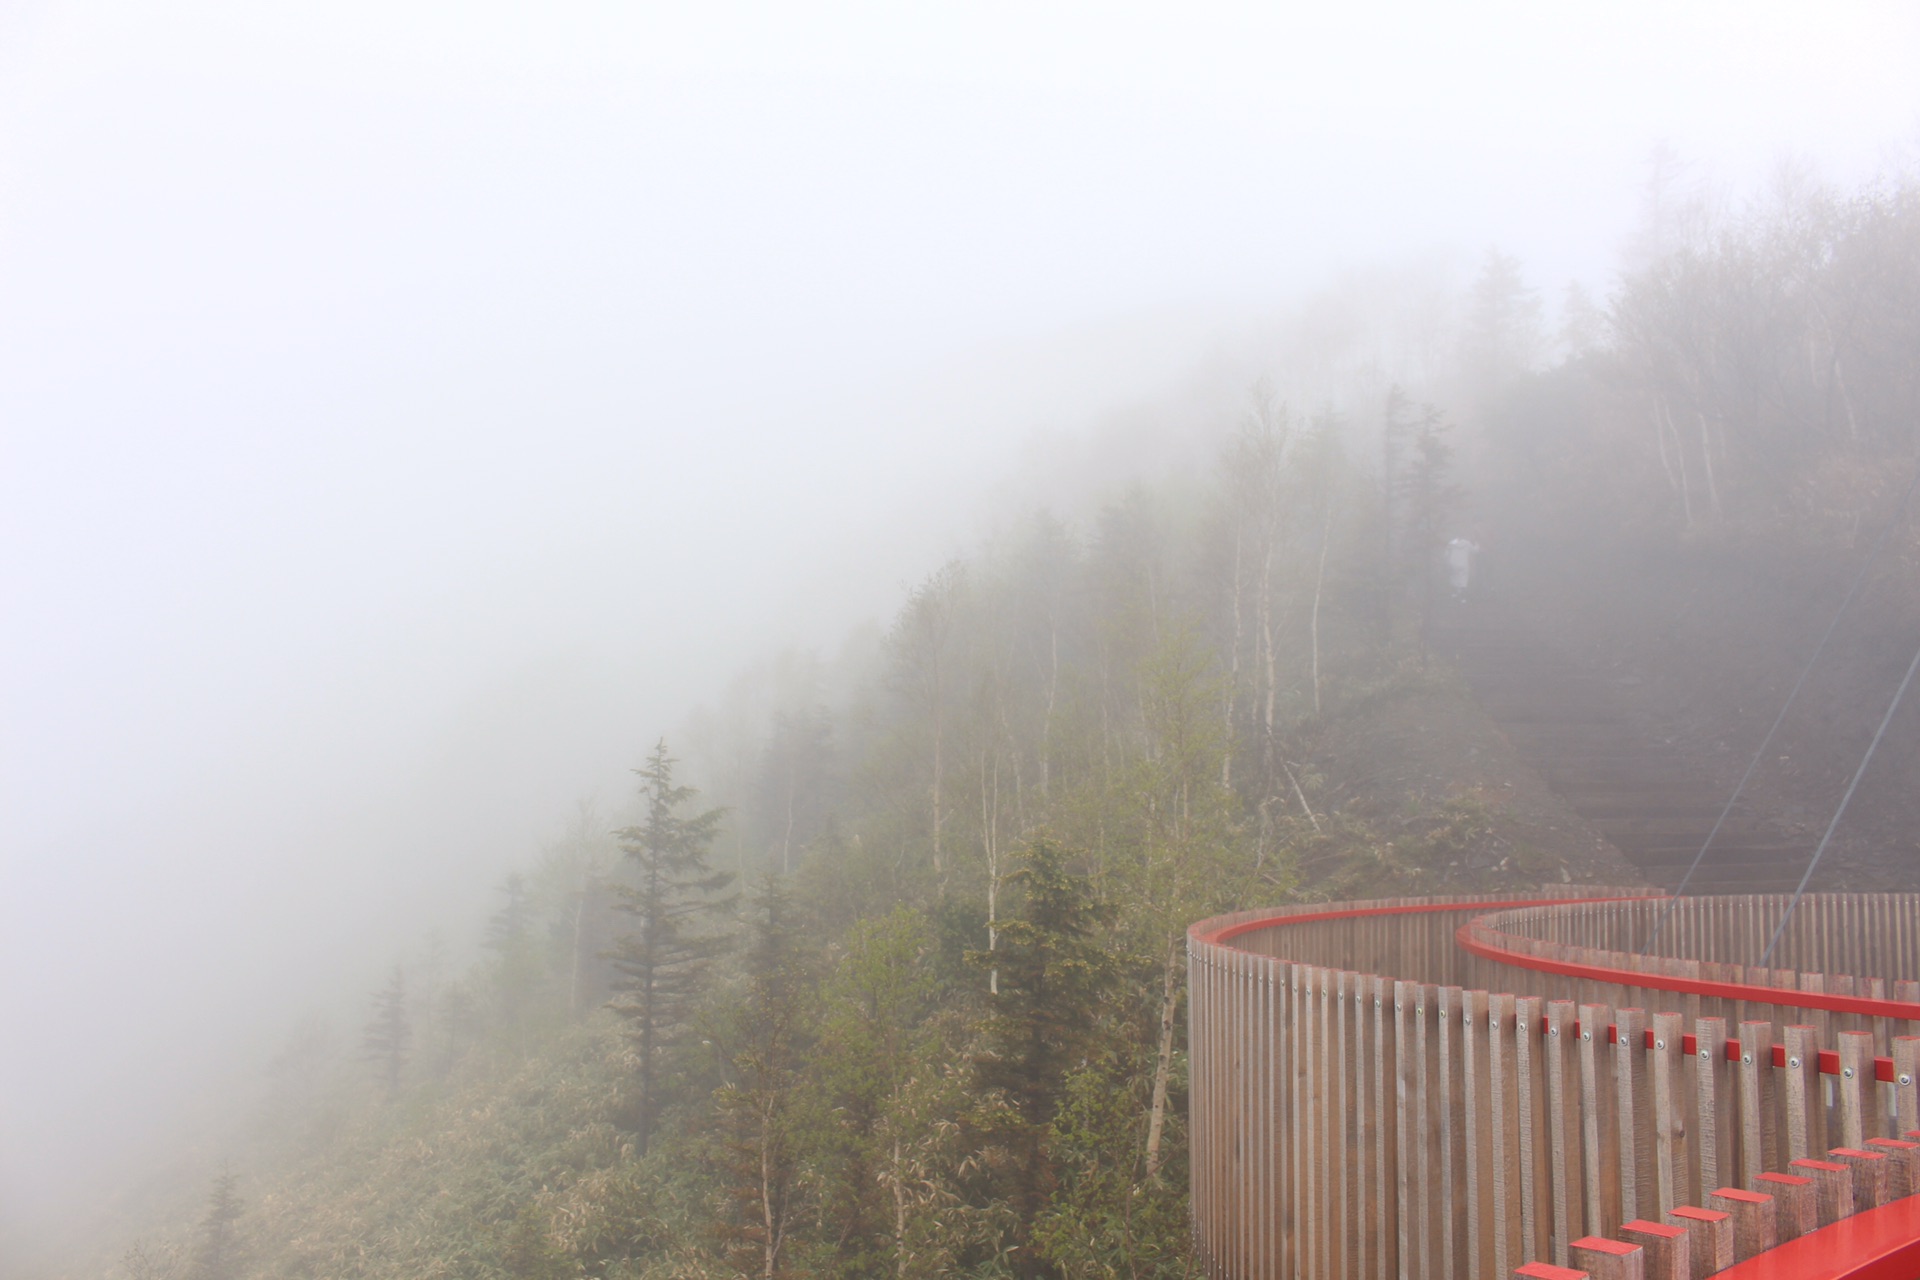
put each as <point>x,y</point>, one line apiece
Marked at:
<point>761,1164</point>
<point>663,961</point>
<point>389,1033</point>
<point>216,1254</point>
<point>509,935</point>
<point>1054,976</point>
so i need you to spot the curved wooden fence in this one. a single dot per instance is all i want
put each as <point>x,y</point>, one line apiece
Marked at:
<point>1462,1088</point>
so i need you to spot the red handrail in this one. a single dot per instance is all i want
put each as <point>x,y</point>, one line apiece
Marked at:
<point>1874,1244</point>
<point>1226,933</point>
<point>1864,1005</point>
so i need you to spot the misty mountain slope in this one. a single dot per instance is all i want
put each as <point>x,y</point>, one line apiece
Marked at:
<point>1672,519</point>
<point>1428,769</point>
<point>933,1025</point>
<point>941,1028</point>
<point>1611,767</point>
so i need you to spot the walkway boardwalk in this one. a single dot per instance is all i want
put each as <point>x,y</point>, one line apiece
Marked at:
<point>1468,1088</point>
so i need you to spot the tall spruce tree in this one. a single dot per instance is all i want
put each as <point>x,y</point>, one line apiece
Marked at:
<point>1055,974</point>
<point>663,961</point>
<point>216,1254</point>
<point>389,1032</point>
<point>509,936</point>
<point>760,1164</point>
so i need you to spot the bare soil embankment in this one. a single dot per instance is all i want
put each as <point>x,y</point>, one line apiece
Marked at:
<point>1641,681</point>
<point>1424,777</point>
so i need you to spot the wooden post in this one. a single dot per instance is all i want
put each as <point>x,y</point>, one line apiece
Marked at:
<point>1547,1271</point>
<point>1669,1120</point>
<point>1806,1116</point>
<point>1599,1124</point>
<point>1796,1204</point>
<point>1409,1134</point>
<point>1386,1109</point>
<point>1668,1255</point>
<point>1482,1226</point>
<point>1753,1225</point>
<point>1435,1257</point>
<point>1832,1188</point>
<point>1903,1165</point>
<point>1759,1123</point>
<point>1605,1259</point>
<point>1869,1175</point>
<point>1709,1238</point>
<point>1714,1098</point>
<point>1906,1082</point>
<point>1506,1122</point>
<point>1858,1119</point>
<point>1340,1151</point>
<point>1563,1127</point>
<point>1455,1207</point>
<point>1635,1115</point>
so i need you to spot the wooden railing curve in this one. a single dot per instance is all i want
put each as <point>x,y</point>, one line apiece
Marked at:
<point>1461,1088</point>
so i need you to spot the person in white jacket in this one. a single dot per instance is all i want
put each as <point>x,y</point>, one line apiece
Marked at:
<point>1460,554</point>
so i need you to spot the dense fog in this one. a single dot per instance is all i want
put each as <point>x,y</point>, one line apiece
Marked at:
<point>410,413</point>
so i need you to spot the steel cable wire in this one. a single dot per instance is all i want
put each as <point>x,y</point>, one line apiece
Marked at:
<point>1846,799</point>
<point>1760,753</point>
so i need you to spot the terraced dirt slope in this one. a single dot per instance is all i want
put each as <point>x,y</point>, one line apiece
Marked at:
<point>1577,726</point>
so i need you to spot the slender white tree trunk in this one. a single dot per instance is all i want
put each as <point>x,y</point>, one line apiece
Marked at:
<point>1319,582</point>
<point>1233,662</point>
<point>1163,1064</point>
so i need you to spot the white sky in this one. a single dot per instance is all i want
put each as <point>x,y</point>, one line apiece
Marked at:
<point>407,411</point>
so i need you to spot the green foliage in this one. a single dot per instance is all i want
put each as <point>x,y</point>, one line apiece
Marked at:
<point>1110,1216</point>
<point>1054,976</point>
<point>871,1038</point>
<point>665,958</point>
<point>951,1044</point>
<point>758,1160</point>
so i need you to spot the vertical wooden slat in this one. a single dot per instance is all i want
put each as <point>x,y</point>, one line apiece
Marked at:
<point>1327,1155</point>
<point>1534,1146</point>
<point>1476,1044</point>
<point>1759,1123</point>
<point>1709,1238</point>
<point>1870,1170</point>
<point>1714,1107</point>
<point>1832,1187</point>
<point>1267,1188</point>
<point>1805,1119</point>
<point>1796,1207</point>
<point>1605,1259</point>
<point>1406,1077</point>
<point>1563,1128</point>
<point>1856,1077</point>
<point>1905,1083</point>
<point>1903,1165</point>
<point>1669,1122</point>
<point>1599,1124</point>
<point>1752,1213</point>
<point>1314,1112</point>
<point>1452,1206</point>
<point>1251,1138</point>
<point>1667,1251</point>
<point>1386,1218</point>
<point>1633,1115</point>
<point>1504,1122</point>
<point>1434,1256</point>
<point>1339,1151</point>
<point>1199,1111</point>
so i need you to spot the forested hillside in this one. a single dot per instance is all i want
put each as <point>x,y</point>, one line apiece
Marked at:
<point>881,973</point>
